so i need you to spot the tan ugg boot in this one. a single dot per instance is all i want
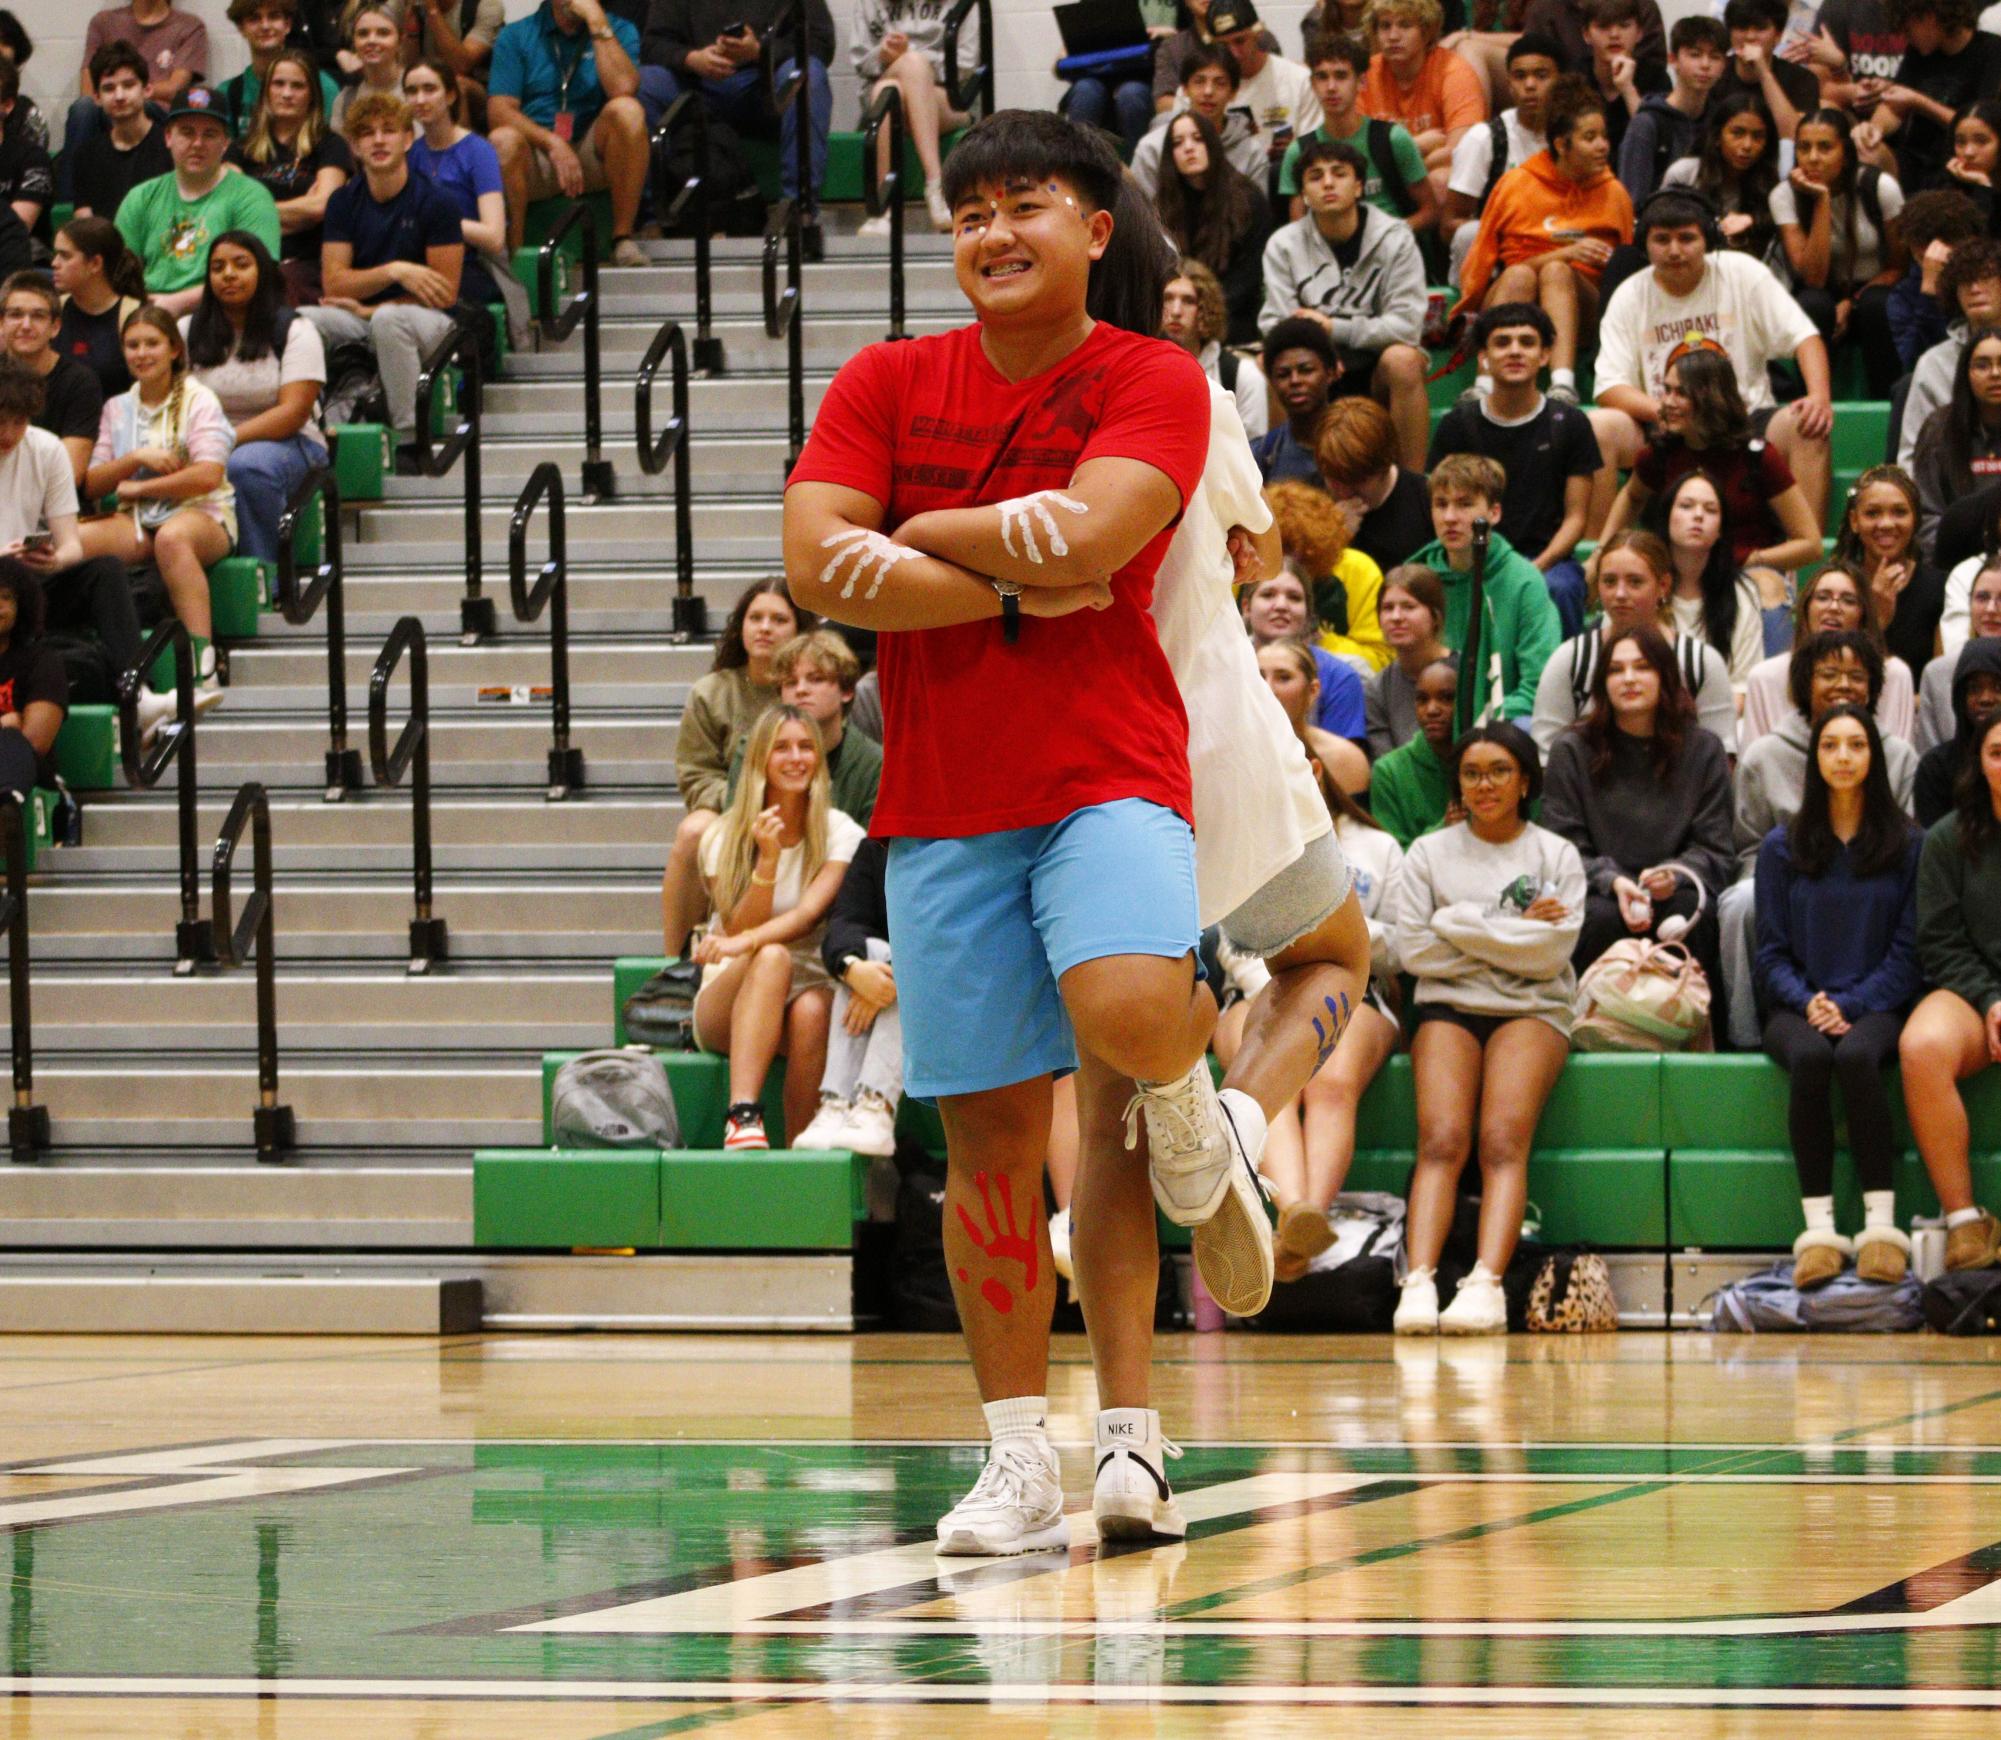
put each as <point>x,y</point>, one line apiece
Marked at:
<point>1974,1245</point>
<point>1818,1257</point>
<point>1882,1255</point>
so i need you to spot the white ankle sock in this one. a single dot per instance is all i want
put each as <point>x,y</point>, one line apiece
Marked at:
<point>1961,1217</point>
<point>1819,1213</point>
<point>1563,378</point>
<point>1879,1208</point>
<point>1016,1416</point>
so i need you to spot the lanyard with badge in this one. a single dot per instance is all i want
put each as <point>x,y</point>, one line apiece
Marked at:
<point>565,124</point>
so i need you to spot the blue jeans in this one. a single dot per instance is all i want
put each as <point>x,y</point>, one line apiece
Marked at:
<point>1125,109</point>
<point>739,100</point>
<point>264,474</point>
<point>1565,581</point>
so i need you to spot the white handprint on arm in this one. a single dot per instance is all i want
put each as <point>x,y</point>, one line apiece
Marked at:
<point>869,551</point>
<point>1019,510</point>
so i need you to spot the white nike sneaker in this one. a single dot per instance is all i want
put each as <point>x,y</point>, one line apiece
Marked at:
<point>829,1126</point>
<point>1131,1498</point>
<point>1189,1139</point>
<point>1479,1307</point>
<point>1417,1310</point>
<point>1016,1505</point>
<point>1233,1248</point>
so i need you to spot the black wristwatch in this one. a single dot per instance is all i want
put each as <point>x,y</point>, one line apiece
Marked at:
<point>1010,597</point>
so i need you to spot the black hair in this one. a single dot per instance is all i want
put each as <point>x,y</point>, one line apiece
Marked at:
<point>1032,145</point>
<point>1323,150</point>
<point>1964,431</point>
<point>212,340</point>
<point>1336,45</point>
<point>1811,649</point>
<point>1216,58</point>
<point>1296,332</point>
<point>1211,223</point>
<point>1747,14</point>
<point>14,38</point>
<point>30,602</point>
<point>1884,836</point>
<point>1497,315</point>
<point>1505,735</point>
<point>21,393</point>
<point>1697,29</point>
<point>98,237</point>
<point>1948,15</point>
<point>1672,209</point>
<point>1974,259</point>
<point>1749,193</point>
<point>1535,42</point>
<point>114,57</point>
<point>1842,124</point>
<point>1720,603</point>
<point>730,652</point>
<point>1972,800</point>
<point>1570,100</point>
<point>1130,276</point>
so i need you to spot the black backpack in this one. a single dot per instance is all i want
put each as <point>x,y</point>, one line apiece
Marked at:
<point>1382,153</point>
<point>736,203</point>
<point>1497,156</point>
<point>1965,1302</point>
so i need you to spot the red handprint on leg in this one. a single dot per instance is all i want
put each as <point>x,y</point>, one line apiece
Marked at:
<point>1003,1241</point>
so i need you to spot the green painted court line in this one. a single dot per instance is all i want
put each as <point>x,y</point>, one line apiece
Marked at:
<point>688,1724</point>
<point>1912,1419</point>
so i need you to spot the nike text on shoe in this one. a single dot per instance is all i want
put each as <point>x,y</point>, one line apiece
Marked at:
<point>1131,1498</point>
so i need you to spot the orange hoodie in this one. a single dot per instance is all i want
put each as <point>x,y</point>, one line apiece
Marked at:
<point>1536,209</point>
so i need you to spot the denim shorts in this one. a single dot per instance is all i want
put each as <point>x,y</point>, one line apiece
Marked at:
<point>982,927</point>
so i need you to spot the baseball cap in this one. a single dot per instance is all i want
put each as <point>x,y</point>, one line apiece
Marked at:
<point>1227,17</point>
<point>203,102</point>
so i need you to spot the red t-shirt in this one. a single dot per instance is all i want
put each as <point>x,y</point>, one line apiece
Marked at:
<point>1748,479</point>
<point>980,736</point>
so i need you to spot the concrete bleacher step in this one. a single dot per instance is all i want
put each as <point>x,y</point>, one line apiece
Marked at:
<point>169,1299</point>
<point>436,531</point>
<point>629,671</point>
<point>723,460</point>
<point>827,342</point>
<point>738,401</point>
<point>856,286</point>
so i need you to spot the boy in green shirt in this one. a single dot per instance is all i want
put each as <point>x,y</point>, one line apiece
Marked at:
<point>1521,628</point>
<point>170,221</point>
<point>1396,183</point>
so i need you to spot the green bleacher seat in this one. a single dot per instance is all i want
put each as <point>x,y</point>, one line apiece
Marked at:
<point>38,821</point>
<point>542,1199</point>
<point>364,456</point>
<point>239,587</point>
<point>86,752</point>
<point>1861,431</point>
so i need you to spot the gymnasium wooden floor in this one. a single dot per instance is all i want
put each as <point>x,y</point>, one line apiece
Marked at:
<point>618,1538</point>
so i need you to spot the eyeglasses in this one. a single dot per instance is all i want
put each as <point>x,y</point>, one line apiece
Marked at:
<point>1495,776</point>
<point>1842,674</point>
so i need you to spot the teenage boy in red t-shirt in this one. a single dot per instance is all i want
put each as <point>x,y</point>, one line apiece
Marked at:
<point>1035,790</point>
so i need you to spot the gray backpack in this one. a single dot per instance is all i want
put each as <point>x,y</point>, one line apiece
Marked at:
<point>613,1099</point>
<point>1769,1302</point>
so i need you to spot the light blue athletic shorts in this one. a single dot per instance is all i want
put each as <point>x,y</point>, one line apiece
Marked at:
<point>981,928</point>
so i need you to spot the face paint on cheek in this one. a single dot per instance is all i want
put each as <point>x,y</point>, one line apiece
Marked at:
<point>867,551</point>
<point>1022,509</point>
<point>1003,1241</point>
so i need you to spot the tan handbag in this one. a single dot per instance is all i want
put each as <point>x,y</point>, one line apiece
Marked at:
<point>1642,996</point>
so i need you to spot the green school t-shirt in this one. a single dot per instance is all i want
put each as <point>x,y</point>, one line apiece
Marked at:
<point>1410,163</point>
<point>172,235</point>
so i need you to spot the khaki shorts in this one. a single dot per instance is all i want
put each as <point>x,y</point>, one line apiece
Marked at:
<point>542,173</point>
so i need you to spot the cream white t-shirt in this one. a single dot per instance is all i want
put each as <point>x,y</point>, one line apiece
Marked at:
<point>844,834</point>
<point>1375,866</point>
<point>36,486</point>
<point>1747,640</point>
<point>1256,804</point>
<point>248,389</point>
<point>1739,303</point>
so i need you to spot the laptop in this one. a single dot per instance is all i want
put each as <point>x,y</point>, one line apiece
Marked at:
<point>1099,26</point>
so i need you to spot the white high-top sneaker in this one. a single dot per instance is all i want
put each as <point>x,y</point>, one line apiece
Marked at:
<point>1131,1498</point>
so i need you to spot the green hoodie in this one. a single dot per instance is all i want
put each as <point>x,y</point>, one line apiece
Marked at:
<point>1522,624</point>
<point>1959,918</point>
<point>1409,789</point>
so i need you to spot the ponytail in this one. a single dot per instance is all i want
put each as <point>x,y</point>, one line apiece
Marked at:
<point>98,238</point>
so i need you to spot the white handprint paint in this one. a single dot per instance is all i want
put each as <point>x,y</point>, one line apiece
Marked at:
<point>1026,512</point>
<point>868,551</point>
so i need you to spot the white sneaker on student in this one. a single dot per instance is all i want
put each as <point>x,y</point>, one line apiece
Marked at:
<point>1233,1248</point>
<point>871,1125</point>
<point>1016,1505</point>
<point>1478,1308</point>
<point>1059,1244</point>
<point>1191,1153</point>
<point>829,1126</point>
<point>875,226</point>
<point>1417,1310</point>
<point>934,200</point>
<point>1131,1498</point>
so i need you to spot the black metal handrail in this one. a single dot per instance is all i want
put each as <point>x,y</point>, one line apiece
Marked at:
<point>428,937</point>
<point>786,222</point>
<point>690,110</point>
<point>27,1123</point>
<point>878,188</point>
<point>597,482</point>
<point>174,742</point>
<point>691,615</point>
<point>974,94</point>
<point>254,933</point>
<point>792,16</point>
<point>299,603</point>
<point>552,588</point>
<point>460,346</point>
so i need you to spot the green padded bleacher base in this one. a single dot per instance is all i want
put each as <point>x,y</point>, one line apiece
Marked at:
<point>238,588</point>
<point>37,821</point>
<point>86,752</point>
<point>544,1199</point>
<point>363,458</point>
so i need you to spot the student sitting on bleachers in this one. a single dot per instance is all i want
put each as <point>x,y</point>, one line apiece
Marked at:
<point>266,27</point>
<point>1736,167</point>
<point>1969,289</point>
<point>1280,610</point>
<point>1488,912</point>
<point>1477,167</point>
<point>291,151</point>
<point>267,367</point>
<point>1212,212</point>
<point>1668,125</point>
<point>17,46</point>
<point>464,168</point>
<point>772,866</point>
<point>1787,91</point>
<point>1292,674</point>
<point>1837,973</point>
<point>863,1082</point>
<point>375,39</point>
<point>1410,789</point>
<point>1935,225</point>
<point>34,692</point>
<point>1978,618</point>
<point>721,709</point>
<point>1634,587</point>
<point>1414,81</point>
<point>1396,183</point>
<point>72,402</point>
<point>1301,364</point>
<point>1519,627</point>
<point>131,147</point>
<point>1956,1031</point>
<point>163,450</point>
<point>1194,315</point>
<point>1410,609</point>
<point>1714,600</point>
<point>1835,600</point>
<point>1840,223</point>
<point>101,284</point>
<point>173,43</point>
<point>1828,669</point>
<point>1209,82</point>
<point>1878,541</point>
<point>817,673</point>
<point>1643,792</point>
<point>1974,678</point>
<point>1343,585</point>
<point>900,43</point>
<point>1388,506</point>
<point>1959,448</point>
<point>392,262</point>
<point>1950,63</point>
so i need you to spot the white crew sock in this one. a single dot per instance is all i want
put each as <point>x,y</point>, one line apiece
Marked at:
<point>1961,1217</point>
<point>1879,1208</point>
<point>1563,378</point>
<point>1819,1213</point>
<point>1017,1416</point>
